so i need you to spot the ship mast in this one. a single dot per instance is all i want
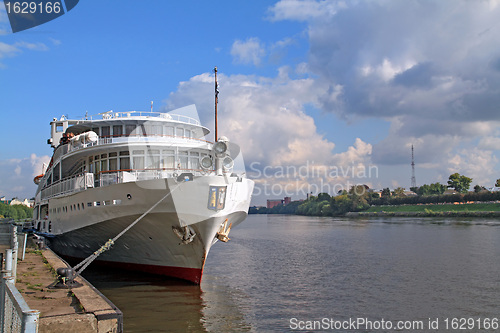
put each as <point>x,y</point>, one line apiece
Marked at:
<point>216,101</point>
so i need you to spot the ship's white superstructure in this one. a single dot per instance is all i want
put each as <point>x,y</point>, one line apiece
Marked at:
<point>106,172</point>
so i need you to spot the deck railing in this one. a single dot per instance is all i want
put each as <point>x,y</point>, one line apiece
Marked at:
<point>151,138</point>
<point>105,178</point>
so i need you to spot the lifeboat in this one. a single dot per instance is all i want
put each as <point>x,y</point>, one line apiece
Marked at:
<point>37,179</point>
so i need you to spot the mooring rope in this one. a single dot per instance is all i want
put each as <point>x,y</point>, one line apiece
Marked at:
<point>111,241</point>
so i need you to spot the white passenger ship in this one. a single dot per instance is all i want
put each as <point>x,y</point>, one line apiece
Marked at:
<point>106,172</point>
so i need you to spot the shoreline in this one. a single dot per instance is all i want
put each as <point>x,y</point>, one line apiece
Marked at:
<point>429,213</point>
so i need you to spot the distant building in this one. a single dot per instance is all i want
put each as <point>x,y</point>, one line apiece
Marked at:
<point>25,202</point>
<point>275,202</point>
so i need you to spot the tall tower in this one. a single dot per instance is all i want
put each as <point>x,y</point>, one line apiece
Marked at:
<point>413,180</point>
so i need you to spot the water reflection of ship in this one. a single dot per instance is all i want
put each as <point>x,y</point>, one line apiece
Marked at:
<point>153,304</point>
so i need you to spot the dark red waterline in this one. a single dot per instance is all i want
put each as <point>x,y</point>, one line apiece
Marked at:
<point>193,275</point>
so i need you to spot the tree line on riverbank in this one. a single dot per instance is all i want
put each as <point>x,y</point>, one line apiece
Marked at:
<point>15,212</point>
<point>359,198</point>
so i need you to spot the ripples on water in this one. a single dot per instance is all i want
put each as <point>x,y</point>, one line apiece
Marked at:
<point>278,267</point>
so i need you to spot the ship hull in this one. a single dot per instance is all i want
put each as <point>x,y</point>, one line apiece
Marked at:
<point>153,244</point>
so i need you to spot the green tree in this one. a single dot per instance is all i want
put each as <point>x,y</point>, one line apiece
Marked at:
<point>323,197</point>
<point>459,182</point>
<point>479,188</point>
<point>399,192</point>
<point>437,188</point>
<point>386,192</point>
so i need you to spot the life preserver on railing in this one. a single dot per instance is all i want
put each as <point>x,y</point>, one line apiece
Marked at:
<point>37,179</point>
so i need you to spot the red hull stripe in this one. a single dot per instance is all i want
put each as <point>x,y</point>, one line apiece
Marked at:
<point>184,273</point>
<point>189,274</point>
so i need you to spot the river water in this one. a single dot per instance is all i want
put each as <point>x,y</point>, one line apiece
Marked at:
<point>283,273</point>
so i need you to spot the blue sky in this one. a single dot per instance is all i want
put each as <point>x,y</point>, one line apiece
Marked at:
<point>332,84</point>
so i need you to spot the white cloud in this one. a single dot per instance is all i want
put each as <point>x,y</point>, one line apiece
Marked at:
<point>476,164</point>
<point>301,10</point>
<point>16,175</point>
<point>7,50</point>
<point>266,117</point>
<point>489,143</point>
<point>250,51</point>
<point>10,50</point>
<point>430,68</point>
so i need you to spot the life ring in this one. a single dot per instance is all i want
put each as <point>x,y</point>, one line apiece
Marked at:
<point>37,179</point>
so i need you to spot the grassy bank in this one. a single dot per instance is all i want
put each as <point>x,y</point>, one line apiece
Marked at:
<point>475,207</point>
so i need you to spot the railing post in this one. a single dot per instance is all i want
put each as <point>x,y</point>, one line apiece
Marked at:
<point>8,263</point>
<point>30,321</point>
<point>2,299</point>
<point>15,250</point>
<point>24,245</point>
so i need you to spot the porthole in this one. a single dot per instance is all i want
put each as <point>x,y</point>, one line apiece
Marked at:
<point>129,196</point>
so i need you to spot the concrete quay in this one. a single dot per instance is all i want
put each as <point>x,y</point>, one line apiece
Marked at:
<point>81,309</point>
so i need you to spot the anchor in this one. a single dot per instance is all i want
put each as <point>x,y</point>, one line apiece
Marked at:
<point>186,234</point>
<point>223,233</point>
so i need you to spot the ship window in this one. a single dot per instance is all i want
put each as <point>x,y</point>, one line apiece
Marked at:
<point>113,164</point>
<point>83,206</point>
<point>168,159</point>
<point>183,159</point>
<point>155,130</point>
<point>169,130</point>
<point>113,154</point>
<point>194,160</point>
<point>187,134</point>
<point>104,165</point>
<point>107,203</point>
<point>105,131</point>
<point>49,179</point>
<point>179,131</point>
<point>96,157</point>
<point>117,202</point>
<point>124,153</point>
<point>124,163</point>
<point>89,204</point>
<point>138,162</point>
<point>78,206</point>
<point>59,127</point>
<point>154,161</point>
<point>97,167</point>
<point>104,155</point>
<point>56,172</point>
<point>140,130</point>
<point>117,130</point>
<point>129,130</point>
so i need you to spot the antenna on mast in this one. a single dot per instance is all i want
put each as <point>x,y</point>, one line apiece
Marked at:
<point>151,106</point>
<point>216,101</point>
